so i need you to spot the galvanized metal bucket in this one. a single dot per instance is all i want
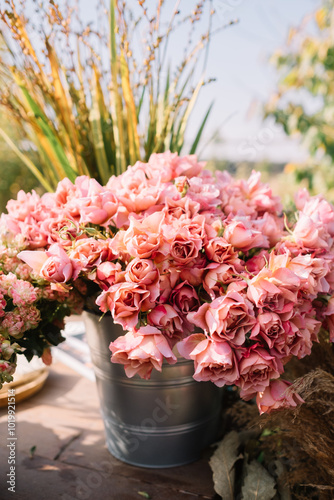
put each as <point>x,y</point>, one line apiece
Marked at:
<point>162,422</point>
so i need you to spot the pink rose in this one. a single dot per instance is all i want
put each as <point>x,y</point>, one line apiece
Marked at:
<point>258,262</point>
<point>134,190</point>
<point>204,191</point>
<point>167,320</point>
<point>256,367</point>
<point>61,229</point>
<point>74,197</point>
<point>141,271</point>
<point>144,238</point>
<point>218,250</point>
<point>185,247</point>
<point>89,252</point>
<point>59,268</point>
<point>144,272</point>
<point>197,227</point>
<point>65,191</point>
<point>124,301</point>
<point>184,298</point>
<point>271,329</point>
<point>301,197</point>
<point>312,273</point>
<point>141,351</point>
<point>272,227</point>
<point>34,258</point>
<point>259,195</point>
<point>98,208</point>
<point>161,165</point>
<point>169,276</point>
<point>233,201</point>
<point>87,200</point>
<point>106,274</point>
<point>277,395</point>
<point>33,234</point>
<point>184,208</point>
<point>194,273</point>
<point>23,207</point>
<point>320,211</point>
<point>229,317</point>
<point>241,235</point>
<point>54,265</point>
<point>214,361</point>
<point>188,166</point>
<point>216,277</point>
<point>302,330</point>
<point>276,290</point>
<point>10,229</point>
<point>310,234</point>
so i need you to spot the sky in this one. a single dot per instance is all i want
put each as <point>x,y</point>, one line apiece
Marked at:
<point>239,60</point>
<point>245,78</point>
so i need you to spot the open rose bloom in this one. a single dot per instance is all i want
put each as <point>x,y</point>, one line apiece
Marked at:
<point>188,263</point>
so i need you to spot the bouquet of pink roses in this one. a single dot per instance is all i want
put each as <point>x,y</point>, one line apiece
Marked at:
<point>185,261</point>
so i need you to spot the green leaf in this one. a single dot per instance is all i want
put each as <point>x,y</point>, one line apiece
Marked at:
<point>141,100</point>
<point>33,169</point>
<point>132,125</point>
<point>50,135</point>
<point>185,118</point>
<point>97,136</point>
<point>200,131</point>
<point>166,97</point>
<point>116,103</point>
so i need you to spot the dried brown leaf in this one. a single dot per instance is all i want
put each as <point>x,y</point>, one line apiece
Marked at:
<point>222,464</point>
<point>258,483</point>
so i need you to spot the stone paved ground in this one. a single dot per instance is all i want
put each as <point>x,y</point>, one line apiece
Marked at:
<point>71,461</point>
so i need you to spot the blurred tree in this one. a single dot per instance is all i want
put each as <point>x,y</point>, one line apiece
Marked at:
<point>13,173</point>
<point>304,101</point>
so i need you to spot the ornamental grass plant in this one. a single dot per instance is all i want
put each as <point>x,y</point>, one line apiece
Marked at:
<point>93,99</point>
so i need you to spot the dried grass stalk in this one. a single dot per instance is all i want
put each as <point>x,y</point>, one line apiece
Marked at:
<point>304,437</point>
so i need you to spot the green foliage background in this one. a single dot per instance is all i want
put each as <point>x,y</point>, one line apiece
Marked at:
<point>304,100</point>
<point>13,173</point>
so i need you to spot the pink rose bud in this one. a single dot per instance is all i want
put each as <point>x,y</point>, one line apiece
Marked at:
<point>277,395</point>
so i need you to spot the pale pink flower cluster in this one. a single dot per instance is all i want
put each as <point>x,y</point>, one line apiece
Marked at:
<point>182,257</point>
<point>22,295</point>
<point>30,307</point>
<point>7,366</point>
<point>17,315</point>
